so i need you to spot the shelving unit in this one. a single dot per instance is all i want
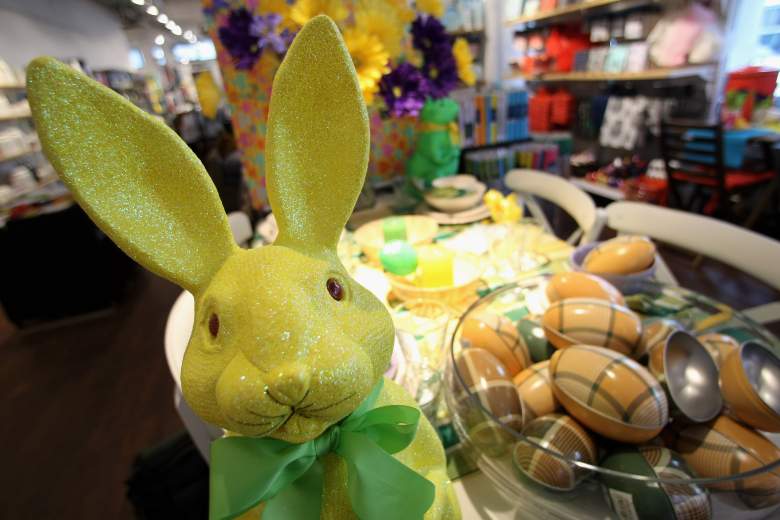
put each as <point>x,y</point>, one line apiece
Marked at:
<point>559,12</point>
<point>20,154</point>
<point>705,71</point>
<point>10,117</point>
<point>12,86</point>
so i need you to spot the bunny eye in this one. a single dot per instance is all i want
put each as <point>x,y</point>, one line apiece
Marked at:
<point>335,289</point>
<point>214,325</point>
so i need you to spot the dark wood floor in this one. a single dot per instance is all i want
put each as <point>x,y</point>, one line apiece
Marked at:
<point>79,402</point>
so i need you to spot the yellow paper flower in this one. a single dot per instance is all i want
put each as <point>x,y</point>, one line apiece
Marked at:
<point>380,18</point>
<point>370,59</point>
<point>304,10</point>
<point>463,58</point>
<point>432,7</point>
<point>405,13</point>
<point>280,7</point>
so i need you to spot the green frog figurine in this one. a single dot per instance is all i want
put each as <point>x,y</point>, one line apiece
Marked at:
<point>435,154</point>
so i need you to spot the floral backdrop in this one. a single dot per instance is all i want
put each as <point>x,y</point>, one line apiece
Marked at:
<point>403,56</point>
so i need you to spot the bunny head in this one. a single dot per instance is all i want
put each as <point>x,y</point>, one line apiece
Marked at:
<point>284,342</point>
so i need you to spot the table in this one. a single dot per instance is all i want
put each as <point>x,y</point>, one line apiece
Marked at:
<point>478,495</point>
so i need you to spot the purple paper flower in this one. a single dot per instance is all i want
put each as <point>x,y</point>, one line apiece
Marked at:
<point>404,90</point>
<point>428,33</point>
<point>246,35</point>
<point>238,39</point>
<point>439,66</point>
<point>441,69</point>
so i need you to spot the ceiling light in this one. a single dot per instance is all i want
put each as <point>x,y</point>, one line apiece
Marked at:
<point>138,2</point>
<point>159,39</point>
<point>162,18</point>
<point>152,10</point>
<point>188,34</point>
<point>176,30</point>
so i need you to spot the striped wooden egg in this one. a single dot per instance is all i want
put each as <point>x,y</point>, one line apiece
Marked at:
<point>723,448</point>
<point>535,390</point>
<point>654,334</point>
<point>718,345</point>
<point>609,393</point>
<point>631,498</point>
<point>488,384</point>
<point>498,335</point>
<point>533,334</point>
<point>562,435</point>
<point>575,284</point>
<point>592,322</point>
<point>621,255</point>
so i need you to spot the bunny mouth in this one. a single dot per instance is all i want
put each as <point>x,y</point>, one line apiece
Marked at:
<point>298,423</point>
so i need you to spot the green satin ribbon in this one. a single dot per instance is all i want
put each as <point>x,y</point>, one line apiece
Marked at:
<point>288,477</point>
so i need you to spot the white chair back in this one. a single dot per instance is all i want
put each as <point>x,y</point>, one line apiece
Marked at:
<point>241,227</point>
<point>532,183</point>
<point>738,247</point>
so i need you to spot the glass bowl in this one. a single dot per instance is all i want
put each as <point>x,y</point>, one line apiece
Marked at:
<point>543,463</point>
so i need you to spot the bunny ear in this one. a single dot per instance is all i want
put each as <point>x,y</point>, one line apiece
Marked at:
<point>317,149</point>
<point>134,177</point>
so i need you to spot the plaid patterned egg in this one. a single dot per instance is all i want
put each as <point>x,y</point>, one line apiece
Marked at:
<point>590,321</point>
<point>490,386</point>
<point>533,334</point>
<point>621,255</point>
<point>609,393</point>
<point>498,335</point>
<point>535,390</point>
<point>654,334</point>
<point>718,345</point>
<point>631,498</point>
<point>724,447</point>
<point>562,435</point>
<point>573,284</point>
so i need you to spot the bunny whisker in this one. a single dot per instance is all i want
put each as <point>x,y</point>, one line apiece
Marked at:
<point>245,423</point>
<point>266,416</point>
<point>350,396</point>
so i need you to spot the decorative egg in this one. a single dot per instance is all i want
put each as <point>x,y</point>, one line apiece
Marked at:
<point>723,448</point>
<point>562,435</point>
<point>499,336</point>
<point>489,385</point>
<point>631,498</point>
<point>535,339</point>
<point>621,255</point>
<point>718,345</point>
<point>535,390</point>
<point>654,334</point>
<point>609,393</point>
<point>581,285</point>
<point>592,322</point>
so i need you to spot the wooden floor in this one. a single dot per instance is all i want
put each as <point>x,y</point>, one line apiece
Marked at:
<point>81,401</point>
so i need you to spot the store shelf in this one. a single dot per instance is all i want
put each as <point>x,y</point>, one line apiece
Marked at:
<point>559,12</point>
<point>15,115</point>
<point>12,86</point>
<point>704,71</point>
<point>501,144</point>
<point>21,154</point>
<point>597,188</point>
<point>469,35</point>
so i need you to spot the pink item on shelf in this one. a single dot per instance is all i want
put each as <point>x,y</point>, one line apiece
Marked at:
<point>675,36</point>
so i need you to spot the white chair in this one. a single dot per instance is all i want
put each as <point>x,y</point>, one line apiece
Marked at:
<point>743,249</point>
<point>531,183</point>
<point>241,227</point>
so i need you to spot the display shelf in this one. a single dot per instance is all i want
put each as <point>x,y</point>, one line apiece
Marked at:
<point>500,144</point>
<point>13,115</point>
<point>20,154</point>
<point>597,188</point>
<point>12,86</point>
<point>469,35</point>
<point>559,12</point>
<point>705,71</point>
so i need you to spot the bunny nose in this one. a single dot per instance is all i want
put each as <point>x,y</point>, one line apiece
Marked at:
<point>290,385</point>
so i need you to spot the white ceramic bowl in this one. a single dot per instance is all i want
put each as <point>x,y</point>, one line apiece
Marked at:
<point>473,197</point>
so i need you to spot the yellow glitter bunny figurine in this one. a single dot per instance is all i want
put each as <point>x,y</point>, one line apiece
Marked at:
<point>287,351</point>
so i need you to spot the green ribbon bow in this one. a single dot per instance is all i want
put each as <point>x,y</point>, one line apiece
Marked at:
<point>288,477</point>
